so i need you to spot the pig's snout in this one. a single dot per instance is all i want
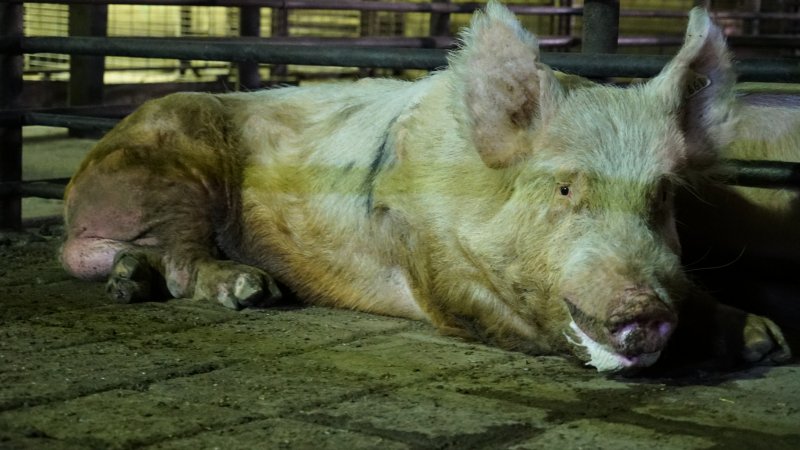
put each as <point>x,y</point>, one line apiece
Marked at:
<point>640,323</point>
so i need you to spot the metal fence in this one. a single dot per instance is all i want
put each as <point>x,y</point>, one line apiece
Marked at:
<point>88,47</point>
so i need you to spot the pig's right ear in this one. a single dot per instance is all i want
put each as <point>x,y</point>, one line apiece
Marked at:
<point>503,87</point>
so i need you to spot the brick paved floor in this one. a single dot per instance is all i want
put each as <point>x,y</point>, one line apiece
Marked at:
<point>77,371</point>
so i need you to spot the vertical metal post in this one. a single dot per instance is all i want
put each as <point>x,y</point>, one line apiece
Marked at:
<point>86,72</point>
<point>185,65</point>
<point>249,26</point>
<point>564,22</point>
<point>11,25</point>
<point>440,22</point>
<point>280,28</point>
<point>600,26</point>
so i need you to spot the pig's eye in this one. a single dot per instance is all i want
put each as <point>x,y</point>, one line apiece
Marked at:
<point>564,190</point>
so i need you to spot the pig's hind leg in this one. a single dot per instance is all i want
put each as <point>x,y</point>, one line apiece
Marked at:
<point>130,271</point>
<point>141,274</point>
<point>154,238</point>
<point>137,273</point>
<point>134,276</point>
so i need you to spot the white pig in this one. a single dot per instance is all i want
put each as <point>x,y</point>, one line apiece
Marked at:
<point>494,199</point>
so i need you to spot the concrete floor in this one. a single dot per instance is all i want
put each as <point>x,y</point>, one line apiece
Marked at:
<point>77,372</point>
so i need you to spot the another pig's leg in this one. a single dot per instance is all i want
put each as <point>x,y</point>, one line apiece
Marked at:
<point>727,335</point>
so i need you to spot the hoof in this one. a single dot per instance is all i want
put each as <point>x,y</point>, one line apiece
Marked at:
<point>236,286</point>
<point>763,342</point>
<point>130,280</point>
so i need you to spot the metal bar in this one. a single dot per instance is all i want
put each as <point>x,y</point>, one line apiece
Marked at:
<point>279,26</point>
<point>665,14</point>
<point>69,121</point>
<point>359,5</point>
<point>11,63</point>
<point>600,26</point>
<point>40,189</point>
<point>751,173</point>
<point>400,58</point>
<point>113,111</point>
<point>85,86</point>
<point>777,70</point>
<point>463,8</point>
<point>786,70</point>
<point>249,26</point>
<point>763,174</point>
<point>760,174</point>
<point>439,23</point>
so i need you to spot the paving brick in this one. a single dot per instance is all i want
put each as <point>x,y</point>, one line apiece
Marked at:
<point>261,335</point>
<point>75,327</point>
<point>141,351</point>
<point>407,356</point>
<point>597,434</point>
<point>32,439</point>
<point>269,388</point>
<point>433,418</point>
<point>141,418</point>
<point>549,382</point>
<point>281,434</point>
<point>48,376</point>
<point>23,301</point>
<point>759,400</point>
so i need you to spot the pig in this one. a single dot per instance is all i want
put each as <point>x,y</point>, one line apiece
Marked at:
<point>496,199</point>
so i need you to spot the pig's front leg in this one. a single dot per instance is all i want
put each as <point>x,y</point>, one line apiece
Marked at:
<point>728,336</point>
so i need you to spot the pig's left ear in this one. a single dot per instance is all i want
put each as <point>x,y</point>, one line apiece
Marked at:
<point>697,85</point>
<point>502,86</point>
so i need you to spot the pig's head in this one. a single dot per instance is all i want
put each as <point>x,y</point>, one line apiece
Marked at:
<point>589,232</point>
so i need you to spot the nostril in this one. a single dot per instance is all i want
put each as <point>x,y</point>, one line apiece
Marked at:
<point>641,336</point>
<point>665,329</point>
<point>622,332</point>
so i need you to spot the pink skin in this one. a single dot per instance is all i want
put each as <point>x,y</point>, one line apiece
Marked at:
<point>90,258</point>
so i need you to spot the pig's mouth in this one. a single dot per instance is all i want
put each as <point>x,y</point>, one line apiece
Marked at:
<point>631,343</point>
<point>604,358</point>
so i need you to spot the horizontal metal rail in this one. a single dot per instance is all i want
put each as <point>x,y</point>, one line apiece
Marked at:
<point>590,65</point>
<point>750,173</point>
<point>763,174</point>
<point>339,5</point>
<point>441,8</point>
<point>72,121</point>
<point>53,189</point>
<point>760,174</point>
<point>84,123</point>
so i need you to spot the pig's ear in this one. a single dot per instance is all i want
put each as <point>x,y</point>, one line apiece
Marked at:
<point>503,88</point>
<point>697,85</point>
